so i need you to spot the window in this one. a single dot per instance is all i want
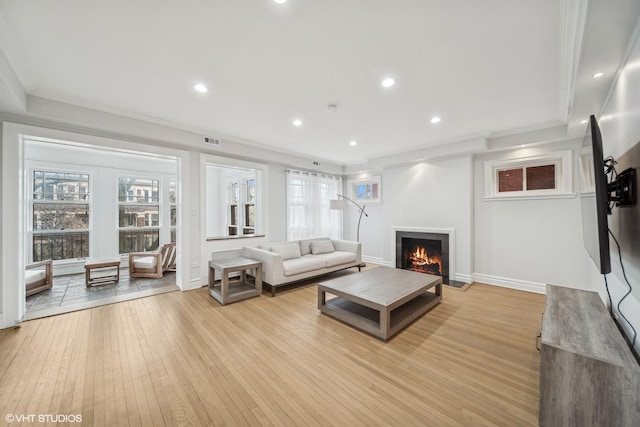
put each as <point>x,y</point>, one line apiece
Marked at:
<point>234,200</point>
<point>533,177</point>
<point>308,200</point>
<point>249,206</point>
<point>241,200</point>
<point>173,210</point>
<point>138,215</point>
<point>60,215</point>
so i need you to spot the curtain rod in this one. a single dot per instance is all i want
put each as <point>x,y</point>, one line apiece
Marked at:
<point>312,173</point>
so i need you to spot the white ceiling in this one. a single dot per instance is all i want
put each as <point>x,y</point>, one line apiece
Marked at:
<point>485,67</point>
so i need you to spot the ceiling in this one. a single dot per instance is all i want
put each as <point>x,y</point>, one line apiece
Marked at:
<point>485,67</point>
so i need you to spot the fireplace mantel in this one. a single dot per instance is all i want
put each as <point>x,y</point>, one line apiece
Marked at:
<point>452,243</point>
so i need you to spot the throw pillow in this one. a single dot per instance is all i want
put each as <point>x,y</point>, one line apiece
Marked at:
<point>288,251</point>
<point>321,247</point>
<point>305,245</point>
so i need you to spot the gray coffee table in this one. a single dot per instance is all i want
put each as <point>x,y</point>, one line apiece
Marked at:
<point>380,301</point>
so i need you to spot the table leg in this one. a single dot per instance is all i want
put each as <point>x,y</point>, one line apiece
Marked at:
<point>87,276</point>
<point>258,279</point>
<point>322,298</point>
<point>224,286</point>
<point>385,322</point>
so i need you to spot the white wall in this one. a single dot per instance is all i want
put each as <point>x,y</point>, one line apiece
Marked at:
<point>430,194</point>
<point>525,244</point>
<point>215,210</point>
<point>620,126</point>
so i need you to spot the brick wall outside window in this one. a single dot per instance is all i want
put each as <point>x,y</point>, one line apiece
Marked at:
<point>510,180</point>
<point>541,177</point>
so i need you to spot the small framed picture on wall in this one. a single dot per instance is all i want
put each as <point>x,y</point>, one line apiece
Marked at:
<point>366,191</point>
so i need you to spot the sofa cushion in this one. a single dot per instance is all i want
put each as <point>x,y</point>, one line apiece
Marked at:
<point>32,276</point>
<point>321,247</point>
<point>332,259</point>
<point>305,245</point>
<point>303,264</point>
<point>288,251</point>
<point>145,262</point>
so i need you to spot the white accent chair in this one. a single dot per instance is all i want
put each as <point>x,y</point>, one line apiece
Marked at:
<point>38,277</point>
<point>153,264</point>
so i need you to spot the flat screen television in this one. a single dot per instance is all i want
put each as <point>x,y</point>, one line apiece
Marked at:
<point>594,198</point>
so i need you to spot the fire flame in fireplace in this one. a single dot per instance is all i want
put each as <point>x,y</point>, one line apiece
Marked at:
<point>421,261</point>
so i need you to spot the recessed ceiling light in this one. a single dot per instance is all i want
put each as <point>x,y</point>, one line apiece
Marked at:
<point>297,122</point>
<point>388,82</point>
<point>435,119</point>
<point>523,145</point>
<point>353,143</point>
<point>280,1</point>
<point>200,87</point>
<point>596,75</point>
<point>584,122</point>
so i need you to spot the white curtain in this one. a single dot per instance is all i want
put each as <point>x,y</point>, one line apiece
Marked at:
<point>308,212</point>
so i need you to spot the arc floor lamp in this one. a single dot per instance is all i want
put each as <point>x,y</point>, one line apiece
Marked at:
<point>341,204</point>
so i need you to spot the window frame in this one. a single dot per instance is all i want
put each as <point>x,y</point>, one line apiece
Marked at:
<point>247,201</point>
<point>173,184</point>
<point>562,160</point>
<point>237,189</point>
<point>32,201</point>
<point>311,193</point>
<point>120,203</point>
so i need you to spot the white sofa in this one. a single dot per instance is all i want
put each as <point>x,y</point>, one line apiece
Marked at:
<point>287,262</point>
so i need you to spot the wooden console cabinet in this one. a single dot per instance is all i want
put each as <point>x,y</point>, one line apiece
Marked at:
<point>588,375</point>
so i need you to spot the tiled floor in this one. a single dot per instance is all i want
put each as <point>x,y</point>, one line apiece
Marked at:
<point>71,290</point>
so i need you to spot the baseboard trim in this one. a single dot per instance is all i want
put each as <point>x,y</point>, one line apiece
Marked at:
<point>505,282</point>
<point>376,260</point>
<point>194,284</point>
<point>466,278</point>
<point>15,324</point>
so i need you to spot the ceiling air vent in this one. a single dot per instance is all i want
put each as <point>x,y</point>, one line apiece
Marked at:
<point>209,140</point>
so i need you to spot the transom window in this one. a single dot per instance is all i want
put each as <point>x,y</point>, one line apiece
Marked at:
<point>60,215</point>
<point>541,176</point>
<point>527,178</point>
<point>138,214</point>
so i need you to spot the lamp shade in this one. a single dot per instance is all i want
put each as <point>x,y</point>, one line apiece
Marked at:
<point>340,204</point>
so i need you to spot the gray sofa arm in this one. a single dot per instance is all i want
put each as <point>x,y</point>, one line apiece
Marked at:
<point>272,267</point>
<point>348,246</point>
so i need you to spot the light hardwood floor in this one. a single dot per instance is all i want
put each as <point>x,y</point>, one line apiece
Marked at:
<point>183,359</point>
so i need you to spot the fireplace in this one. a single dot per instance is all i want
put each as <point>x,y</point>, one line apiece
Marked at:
<point>422,255</point>
<point>424,252</point>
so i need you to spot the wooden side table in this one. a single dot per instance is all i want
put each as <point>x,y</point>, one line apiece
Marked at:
<point>95,264</point>
<point>227,292</point>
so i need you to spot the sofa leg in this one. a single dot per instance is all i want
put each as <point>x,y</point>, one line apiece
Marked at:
<point>359,268</point>
<point>273,291</point>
